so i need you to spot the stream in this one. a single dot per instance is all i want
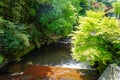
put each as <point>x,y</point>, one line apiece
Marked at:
<point>56,54</point>
<point>50,62</point>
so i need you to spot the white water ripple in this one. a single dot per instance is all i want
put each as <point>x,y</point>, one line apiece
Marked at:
<point>74,64</point>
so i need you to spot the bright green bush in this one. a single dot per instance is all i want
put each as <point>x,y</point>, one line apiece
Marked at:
<point>97,39</point>
<point>116,6</point>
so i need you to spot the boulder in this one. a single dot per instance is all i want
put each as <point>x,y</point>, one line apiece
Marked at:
<point>112,72</point>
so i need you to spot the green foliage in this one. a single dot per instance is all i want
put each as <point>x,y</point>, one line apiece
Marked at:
<point>58,20</point>
<point>25,22</point>
<point>18,11</point>
<point>14,37</point>
<point>32,12</point>
<point>80,5</point>
<point>61,19</point>
<point>44,1</point>
<point>116,6</point>
<point>1,59</point>
<point>96,39</point>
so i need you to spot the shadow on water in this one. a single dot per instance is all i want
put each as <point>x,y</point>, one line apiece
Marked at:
<point>56,54</point>
<point>53,54</point>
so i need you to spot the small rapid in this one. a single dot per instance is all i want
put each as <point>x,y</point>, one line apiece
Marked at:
<point>50,62</point>
<point>74,64</point>
<point>56,54</point>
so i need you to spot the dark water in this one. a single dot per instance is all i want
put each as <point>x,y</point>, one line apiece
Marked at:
<point>56,54</point>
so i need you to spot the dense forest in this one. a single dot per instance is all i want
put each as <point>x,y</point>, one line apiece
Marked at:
<point>25,25</point>
<point>92,24</point>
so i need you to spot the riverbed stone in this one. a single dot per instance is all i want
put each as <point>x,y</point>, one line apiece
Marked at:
<point>60,73</point>
<point>112,72</point>
<point>37,72</point>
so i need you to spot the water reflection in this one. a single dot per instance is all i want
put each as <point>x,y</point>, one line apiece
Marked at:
<point>56,54</point>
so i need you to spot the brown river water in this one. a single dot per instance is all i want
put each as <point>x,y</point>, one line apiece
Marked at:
<point>50,62</point>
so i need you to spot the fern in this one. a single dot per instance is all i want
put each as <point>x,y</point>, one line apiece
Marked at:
<point>24,38</point>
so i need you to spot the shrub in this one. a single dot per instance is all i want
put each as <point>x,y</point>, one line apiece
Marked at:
<point>116,6</point>
<point>14,37</point>
<point>97,39</point>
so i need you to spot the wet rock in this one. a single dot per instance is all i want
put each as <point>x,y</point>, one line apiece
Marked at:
<point>111,73</point>
<point>27,77</point>
<point>37,72</point>
<point>65,41</point>
<point>15,74</point>
<point>58,73</point>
